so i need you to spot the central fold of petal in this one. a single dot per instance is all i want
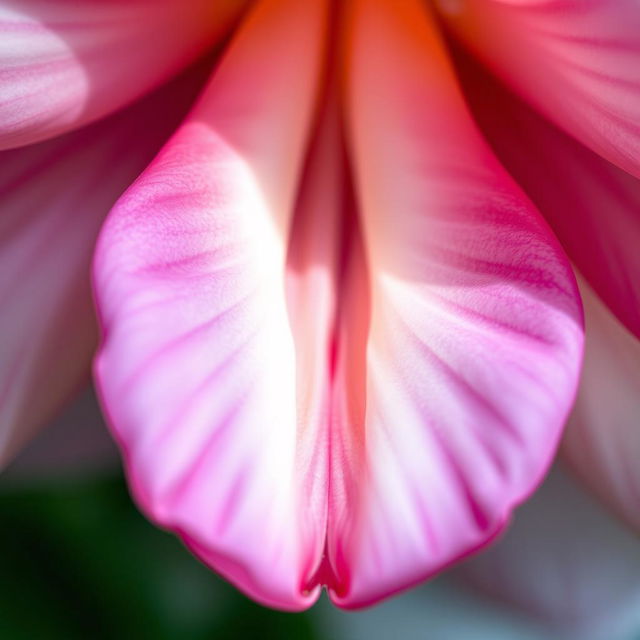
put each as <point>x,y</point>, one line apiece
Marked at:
<point>325,381</point>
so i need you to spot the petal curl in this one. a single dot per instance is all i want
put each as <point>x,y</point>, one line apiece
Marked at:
<point>198,366</point>
<point>53,199</point>
<point>577,61</point>
<point>475,331</point>
<point>591,204</point>
<point>65,63</point>
<point>602,441</point>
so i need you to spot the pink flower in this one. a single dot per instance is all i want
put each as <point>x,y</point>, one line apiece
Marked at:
<point>339,342</point>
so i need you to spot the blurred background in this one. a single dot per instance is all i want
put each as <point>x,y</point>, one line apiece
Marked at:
<point>79,561</point>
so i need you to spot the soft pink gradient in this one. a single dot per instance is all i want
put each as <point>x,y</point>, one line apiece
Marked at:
<point>339,341</point>
<point>64,63</point>
<point>594,208</point>
<point>368,381</point>
<point>475,326</point>
<point>574,60</point>
<point>189,276</point>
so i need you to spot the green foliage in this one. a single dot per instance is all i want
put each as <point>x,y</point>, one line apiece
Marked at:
<point>79,561</point>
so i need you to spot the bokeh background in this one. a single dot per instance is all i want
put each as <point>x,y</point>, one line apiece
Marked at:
<point>79,561</point>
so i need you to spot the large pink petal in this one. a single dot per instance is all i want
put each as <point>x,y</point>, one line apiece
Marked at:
<point>592,205</point>
<point>198,366</point>
<point>64,63</point>
<point>602,441</point>
<point>53,199</point>
<point>475,330</point>
<point>577,61</point>
<point>566,563</point>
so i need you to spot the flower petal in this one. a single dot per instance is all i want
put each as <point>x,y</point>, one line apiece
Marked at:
<point>53,199</point>
<point>565,570</point>
<point>65,63</point>
<point>602,441</point>
<point>577,61</point>
<point>565,562</point>
<point>198,367</point>
<point>475,328</point>
<point>591,204</point>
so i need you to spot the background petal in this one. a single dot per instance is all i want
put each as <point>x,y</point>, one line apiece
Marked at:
<point>76,446</point>
<point>53,199</point>
<point>65,63</point>
<point>545,565</point>
<point>475,329</point>
<point>577,61</point>
<point>602,441</point>
<point>197,371</point>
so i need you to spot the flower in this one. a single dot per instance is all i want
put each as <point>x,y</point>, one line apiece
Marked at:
<point>339,341</point>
